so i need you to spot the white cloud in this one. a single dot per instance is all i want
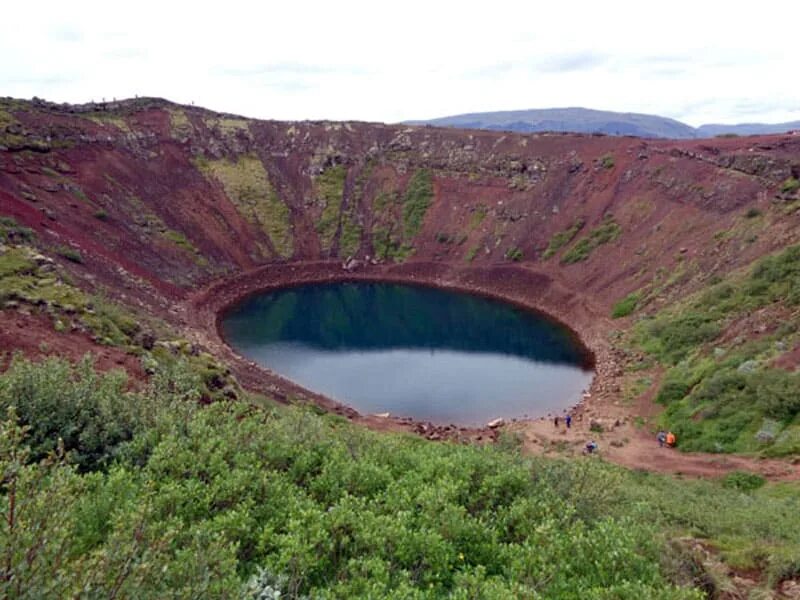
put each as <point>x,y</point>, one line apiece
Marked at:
<point>354,59</point>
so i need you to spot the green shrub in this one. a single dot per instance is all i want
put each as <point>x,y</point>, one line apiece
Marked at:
<point>11,232</point>
<point>790,186</point>
<point>70,253</point>
<point>672,338</point>
<point>752,213</point>
<point>626,306</point>
<point>777,393</point>
<point>606,161</point>
<point>101,215</point>
<point>514,254</point>
<point>91,415</point>
<point>744,481</point>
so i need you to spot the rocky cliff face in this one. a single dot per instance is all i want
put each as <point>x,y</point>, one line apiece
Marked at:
<point>158,199</point>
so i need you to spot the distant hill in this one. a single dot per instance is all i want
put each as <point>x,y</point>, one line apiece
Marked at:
<point>746,129</point>
<point>585,120</point>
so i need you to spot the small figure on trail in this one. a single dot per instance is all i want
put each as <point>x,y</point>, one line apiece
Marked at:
<point>591,446</point>
<point>662,438</point>
<point>671,439</point>
<point>555,421</point>
<point>568,420</point>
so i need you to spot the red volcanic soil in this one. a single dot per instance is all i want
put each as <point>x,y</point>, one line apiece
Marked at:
<point>34,337</point>
<point>125,185</point>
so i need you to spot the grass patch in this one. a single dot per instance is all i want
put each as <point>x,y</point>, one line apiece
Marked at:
<point>70,253</point>
<point>416,200</point>
<point>562,238</point>
<point>106,120</point>
<point>790,186</point>
<point>514,254</point>
<point>626,306</point>
<point>14,261</point>
<point>179,124</point>
<point>43,287</point>
<point>744,481</point>
<point>478,215</point>
<point>606,161</point>
<point>180,240</point>
<point>247,185</point>
<point>398,218</point>
<point>752,213</point>
<point>606,232</point>
<point>11,232</point>
<point>329,193</point>
<point>228,126</point>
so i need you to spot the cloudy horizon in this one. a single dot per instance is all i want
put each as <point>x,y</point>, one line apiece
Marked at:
<point>356,60</point>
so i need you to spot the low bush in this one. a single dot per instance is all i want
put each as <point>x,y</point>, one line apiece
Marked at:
<point>607,161</point>
<point>626,306</point>
<point>790,186</point>
<point>744,481</point>
<point>70,253</point>
<point>11,232</point>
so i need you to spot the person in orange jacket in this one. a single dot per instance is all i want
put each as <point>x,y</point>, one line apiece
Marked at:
<point>671,439</point>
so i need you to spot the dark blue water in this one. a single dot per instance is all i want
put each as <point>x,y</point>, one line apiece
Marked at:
<point>412,351</point>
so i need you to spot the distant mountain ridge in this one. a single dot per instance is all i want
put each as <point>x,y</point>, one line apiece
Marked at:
<point>585,120</point>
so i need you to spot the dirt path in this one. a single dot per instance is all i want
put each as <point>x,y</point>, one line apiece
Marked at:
<point>635,447</point>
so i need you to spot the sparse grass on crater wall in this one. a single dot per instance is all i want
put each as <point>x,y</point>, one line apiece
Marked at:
<point>329,193</point>
<point>562,238</point>
<point>606,232</point>
<point>247,185</point>
<point>108,119</point>
<point>179,123</point>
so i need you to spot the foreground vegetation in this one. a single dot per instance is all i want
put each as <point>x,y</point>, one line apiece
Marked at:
<point>109,492</point>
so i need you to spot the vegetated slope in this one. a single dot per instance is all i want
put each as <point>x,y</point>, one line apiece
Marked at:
<point>575,120</point>
<point>117,221</point>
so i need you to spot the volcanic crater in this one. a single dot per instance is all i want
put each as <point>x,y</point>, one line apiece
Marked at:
<point>180,213</point>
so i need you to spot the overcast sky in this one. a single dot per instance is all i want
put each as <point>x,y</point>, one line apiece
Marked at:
<point>695,61</point>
